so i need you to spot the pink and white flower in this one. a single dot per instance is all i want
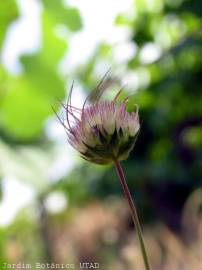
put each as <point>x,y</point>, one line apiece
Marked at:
<point>103,131</point>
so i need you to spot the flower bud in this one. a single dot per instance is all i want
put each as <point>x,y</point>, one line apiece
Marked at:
<point>102,132</point>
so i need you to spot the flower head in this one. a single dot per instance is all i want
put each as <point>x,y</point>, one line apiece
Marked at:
<point>103,131</point>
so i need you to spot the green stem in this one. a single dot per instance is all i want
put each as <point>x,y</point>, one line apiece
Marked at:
<point>133,212</point>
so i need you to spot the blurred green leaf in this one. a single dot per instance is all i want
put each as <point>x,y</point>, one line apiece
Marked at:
<point>124,19</point>
<point>24,109</point>
<point>53,46</point>
<point>44,80</point>
<point>60,14</point>
<point>8,13</point>
<point>28,98</point>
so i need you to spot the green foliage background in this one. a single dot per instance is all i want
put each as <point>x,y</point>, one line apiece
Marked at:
<point>166,164</point>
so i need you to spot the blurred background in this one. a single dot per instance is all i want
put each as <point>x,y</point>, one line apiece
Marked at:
<point>55,207</point>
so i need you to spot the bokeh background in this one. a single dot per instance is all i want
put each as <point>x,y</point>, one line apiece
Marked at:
<point>55,207</point>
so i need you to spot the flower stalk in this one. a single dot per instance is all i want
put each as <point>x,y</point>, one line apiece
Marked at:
<point>133,210</point>
<point>104,132</point>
